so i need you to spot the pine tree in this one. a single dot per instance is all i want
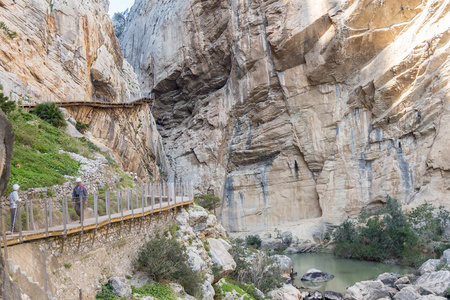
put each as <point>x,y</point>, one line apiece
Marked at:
<point>6,105</point>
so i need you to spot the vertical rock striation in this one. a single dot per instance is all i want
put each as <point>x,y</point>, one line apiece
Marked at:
<point>298,109</point>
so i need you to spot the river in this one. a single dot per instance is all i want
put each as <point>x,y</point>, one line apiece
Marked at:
<point>346,271</point>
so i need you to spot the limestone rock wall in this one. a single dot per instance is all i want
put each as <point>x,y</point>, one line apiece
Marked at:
<point>132,135</point>
<point>62,50</point>
<point>299,109</point>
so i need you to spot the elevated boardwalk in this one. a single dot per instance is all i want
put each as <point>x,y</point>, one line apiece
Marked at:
<point>95,104</point>
<point>93,223</point>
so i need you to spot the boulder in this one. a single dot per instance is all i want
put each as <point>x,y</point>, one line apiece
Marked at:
<point>429,266</point>
<point>446,256</point>
<point>198,217</point>
<point>284,263</point>
<point>316,295</point>
<point>329,295</point>
<point>432,297</point>
<point>366,290</point>
<point>6,150</point>
<point>195,261</point>
<point>315,275</point>
<point>436,282</point>
<point>286,292</point>
<point>401,282</point>
<point>388,278</point>
<point>140,279</point>
<point>221,257</point>
<point>407,293</point>
<point>120,286</point>
<point>208,291</point>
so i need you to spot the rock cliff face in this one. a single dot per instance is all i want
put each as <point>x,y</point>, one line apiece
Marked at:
<point>62,50</point>
<point>66,51</point>
<point>299,109</point>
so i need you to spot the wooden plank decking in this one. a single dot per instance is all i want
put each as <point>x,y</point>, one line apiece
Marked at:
<point>88,224</point>
<point>95,104</point>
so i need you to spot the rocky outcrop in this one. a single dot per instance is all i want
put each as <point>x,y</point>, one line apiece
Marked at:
<point>286,292</point>
<point>120,286</point>
<point>62,50</point>
<point>294,110</point>
<point>8,289</point>
<point>6,150</point>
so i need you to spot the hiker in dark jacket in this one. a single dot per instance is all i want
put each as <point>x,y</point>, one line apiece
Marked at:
<point>79,194</point>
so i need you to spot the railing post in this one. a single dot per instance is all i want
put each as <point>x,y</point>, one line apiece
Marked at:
<point>64,214</point>
<point>46,218</point>
<point>152,191</point>
<point>118,201</point>
<point>143,206</point>
<point>160,198</point>
<point>96,209</point>
<point>132,205</point>
<point>31,215</point>
<point>128,199</point>
<point>164,188</point>
<point>50,216</point>
<point>109,207</point>
<point>82,213</point>
<point>67,211</point>
<point>27,206</point>
<point>137,196</point>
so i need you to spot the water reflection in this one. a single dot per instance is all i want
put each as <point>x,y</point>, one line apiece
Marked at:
<point>346,271</point>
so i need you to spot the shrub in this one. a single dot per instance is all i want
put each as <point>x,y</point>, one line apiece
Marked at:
<point>207,201</point>
<point>81,127</point>
<point>393,236</point>
<point>253,241</point>
<point>106,293</point>
<point>6,105</point>
<point>51,113</point>
<point>262,272</point>
<point>164,258</point>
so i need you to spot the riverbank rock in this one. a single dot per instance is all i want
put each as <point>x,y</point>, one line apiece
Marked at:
<point>388,279</point>
<point>328,295</point>
<point>286,292</point>
<point>121,287</point>
<point>407,293</point>
<point>285,264</point>
<point>429,266</point>
<point>367,290</point>
<point>436,282</point>
<point>315,275</point>
<point>315,295</point>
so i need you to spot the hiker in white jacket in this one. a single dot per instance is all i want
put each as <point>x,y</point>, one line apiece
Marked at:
<point>14,199</point>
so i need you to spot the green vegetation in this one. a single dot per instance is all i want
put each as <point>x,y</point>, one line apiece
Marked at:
<point>36,161</point>
<point>8,32</point>
<point>253,241</point>
<point>158,291</point>
<point>390,234</point>
<point>230,286</point>
<point>263,273</point>
<point>68,265</point>
<point>51,113</point>
<point>5,104</point>
<point>106,293</point>
<point>164,258</point>
<point>207,201</point>
<point>81,127</point>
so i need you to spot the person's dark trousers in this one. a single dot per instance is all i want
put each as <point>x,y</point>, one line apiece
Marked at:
<point>78,209</point>
<point>13,220</point>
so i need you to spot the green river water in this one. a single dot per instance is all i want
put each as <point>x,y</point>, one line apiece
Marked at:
<point>346,271</point>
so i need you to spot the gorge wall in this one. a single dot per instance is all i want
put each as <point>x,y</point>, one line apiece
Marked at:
<point>65,51</point>
<point>300,109</point>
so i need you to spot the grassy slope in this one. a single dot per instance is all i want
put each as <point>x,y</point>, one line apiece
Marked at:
<point>36,160</point>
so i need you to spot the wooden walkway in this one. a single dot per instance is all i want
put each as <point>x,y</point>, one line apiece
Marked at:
<point>88,224</point>
<point>95,104</point>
